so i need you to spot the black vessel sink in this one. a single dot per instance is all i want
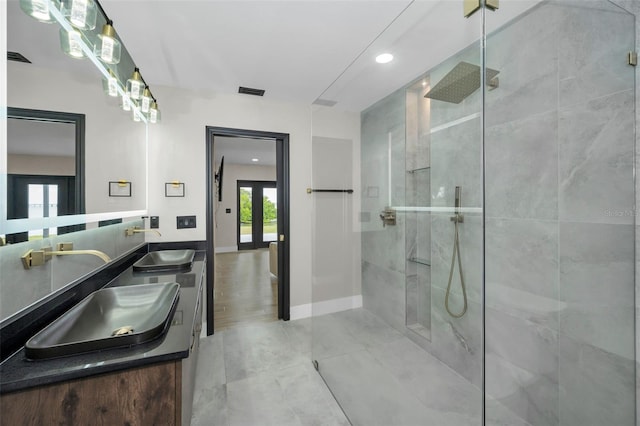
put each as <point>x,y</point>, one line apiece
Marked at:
<point>108,318</point>
<point>165,261</point>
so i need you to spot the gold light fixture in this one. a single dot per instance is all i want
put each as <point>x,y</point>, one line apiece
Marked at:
<point>110,84</point>
<point>108,47</point>
<point>154,113</point>
<point>135,85</point>
<point>145,102</point>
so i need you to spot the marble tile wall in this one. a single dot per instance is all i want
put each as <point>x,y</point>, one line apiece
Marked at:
<point>560,193</point>
<point>20,287</point>
<point>559,260</point>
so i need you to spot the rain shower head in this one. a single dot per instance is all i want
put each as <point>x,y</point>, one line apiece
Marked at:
<point>460,82</point>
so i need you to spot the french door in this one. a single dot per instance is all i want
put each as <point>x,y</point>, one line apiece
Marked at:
<point>257,214</point>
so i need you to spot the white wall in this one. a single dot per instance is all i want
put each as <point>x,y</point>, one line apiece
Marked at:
<point>114,144</point>
<point>227,223</point>
<point>177,152</point>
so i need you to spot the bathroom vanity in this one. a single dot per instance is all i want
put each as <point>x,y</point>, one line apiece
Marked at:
<point>147,383</point>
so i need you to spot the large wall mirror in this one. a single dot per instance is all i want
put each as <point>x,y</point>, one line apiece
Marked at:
<point>61,123</point>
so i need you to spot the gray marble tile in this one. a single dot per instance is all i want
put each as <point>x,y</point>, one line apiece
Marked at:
<point>521,367</point>
<point>369,394</point>
<point>330,338</point>
<point>594,43</point>
<point>456,161</point>
<point>384,247</point>
<point>210,368</point>
<point>367,328</point>
<point>457,341</point>
<point>521,255</point>
<point>525,53</point>
<point>521,171</point>
<point>596,387</point>
<point>210,406</point>
<point>596,160</point>
<point>412,300</point>
<point>432,382</point>
<point>597,285</point>
<point>299,333</point>
<point>497,414</point>
<point>384,293</point>
<point>294,396</point>
<point>254,349</point>
<point>442,242</point>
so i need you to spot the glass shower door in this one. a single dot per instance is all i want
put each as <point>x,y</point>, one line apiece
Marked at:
<point>559,221</point>
<point>396,337</point>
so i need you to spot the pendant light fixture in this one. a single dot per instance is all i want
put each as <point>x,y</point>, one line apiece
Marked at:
<point>110,84</point>
<point>145,102</point>
<point>126,102</point>
<point>71,43</point>
<point>108,47</point>
<point>136,116</point>
<point>154,113</point>
<point>40,9</point>
<point>135,85</point>
<point>81,14</point>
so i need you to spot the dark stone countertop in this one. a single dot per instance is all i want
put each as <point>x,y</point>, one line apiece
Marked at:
<point>18,372</point>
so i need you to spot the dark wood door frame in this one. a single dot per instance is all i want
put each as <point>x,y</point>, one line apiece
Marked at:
<point>282,173</point>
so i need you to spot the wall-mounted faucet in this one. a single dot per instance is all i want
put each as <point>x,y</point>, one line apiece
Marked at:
<point>388,216</point>
<point>39,257</point>
<point>135,229</point>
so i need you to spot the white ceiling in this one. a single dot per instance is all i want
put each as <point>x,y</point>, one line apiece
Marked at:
<point>26,137</point>
<point>244,150</point>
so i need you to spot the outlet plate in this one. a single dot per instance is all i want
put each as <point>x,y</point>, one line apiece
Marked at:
<point>183,222</point>
<point>154,222</point>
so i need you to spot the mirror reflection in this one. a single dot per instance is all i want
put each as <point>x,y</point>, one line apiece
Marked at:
<point>114,145</point>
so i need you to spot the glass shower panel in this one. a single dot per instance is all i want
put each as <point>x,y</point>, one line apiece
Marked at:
<point>559,221</point>
<point>396,336</point>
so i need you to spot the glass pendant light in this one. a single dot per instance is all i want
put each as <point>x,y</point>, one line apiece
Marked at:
<point>135,86</point>
<point>154,113</point>
<point>108,47</point>
<point>136,116</point>
<point>39,9</point>
<point>81,13</point>
<point>71,43</point>
<point>126,102</point>
<point>145,103</point>
<point>110,84</point>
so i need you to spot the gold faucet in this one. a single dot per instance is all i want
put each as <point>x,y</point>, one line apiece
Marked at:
<point>39,257</point>
<point>135,229</point>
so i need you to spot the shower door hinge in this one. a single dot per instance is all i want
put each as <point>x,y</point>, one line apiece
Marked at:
<point>633,58</point>
<point>315,365</point>
<point>472,6</point>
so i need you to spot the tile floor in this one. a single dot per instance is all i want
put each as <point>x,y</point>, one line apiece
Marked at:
<point>261,374</point>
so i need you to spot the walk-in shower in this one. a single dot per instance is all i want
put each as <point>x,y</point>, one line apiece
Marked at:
<point>505,292</point>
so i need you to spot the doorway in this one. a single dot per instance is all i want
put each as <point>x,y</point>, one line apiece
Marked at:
<point>215,183</point>
<point>257,223</point>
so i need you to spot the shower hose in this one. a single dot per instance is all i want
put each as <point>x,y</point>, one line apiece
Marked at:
<point>456,253</point>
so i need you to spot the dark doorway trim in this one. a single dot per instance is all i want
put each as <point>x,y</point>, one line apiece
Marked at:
<point>283,182</point>
<point>62,117</point>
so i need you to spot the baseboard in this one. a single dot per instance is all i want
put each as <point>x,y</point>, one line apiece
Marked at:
<point>229,249</point>
<point>325,307</point>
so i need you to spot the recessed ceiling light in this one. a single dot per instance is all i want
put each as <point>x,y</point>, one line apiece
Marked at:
<point>255,160</point>
<point>384,58</point>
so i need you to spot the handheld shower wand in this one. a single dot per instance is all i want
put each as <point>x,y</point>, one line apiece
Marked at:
<point>456,219</point>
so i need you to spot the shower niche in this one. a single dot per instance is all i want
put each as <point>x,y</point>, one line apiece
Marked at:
<point>418,216</point>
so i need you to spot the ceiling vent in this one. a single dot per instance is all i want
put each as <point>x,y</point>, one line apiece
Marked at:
<point>15,56</point>
<point>324,102</point>
<point>250,91</point>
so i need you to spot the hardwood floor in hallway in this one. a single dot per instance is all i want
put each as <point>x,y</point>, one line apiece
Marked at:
<point>244,290</point>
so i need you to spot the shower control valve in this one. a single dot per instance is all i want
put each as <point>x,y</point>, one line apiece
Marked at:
<point>388,216</point>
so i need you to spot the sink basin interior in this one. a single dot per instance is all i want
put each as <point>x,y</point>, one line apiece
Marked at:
<point>108,318</point>
<point>165,260</point>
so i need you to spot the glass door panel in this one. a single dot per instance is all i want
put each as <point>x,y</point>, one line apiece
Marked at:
<point>559,193</point>
<point>257,211</point>
<point>269,214</point>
